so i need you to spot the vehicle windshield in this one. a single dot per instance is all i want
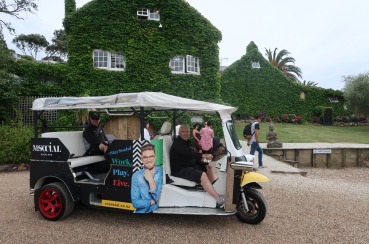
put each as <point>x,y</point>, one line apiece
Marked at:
<point>232,132</point>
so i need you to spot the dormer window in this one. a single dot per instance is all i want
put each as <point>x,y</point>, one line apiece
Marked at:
<point>108,60</point>
<point>182,65</point>
<point>150,14</point>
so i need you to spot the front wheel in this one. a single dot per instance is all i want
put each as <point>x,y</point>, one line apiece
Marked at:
<point>256,205</point>
<point>54,201</point>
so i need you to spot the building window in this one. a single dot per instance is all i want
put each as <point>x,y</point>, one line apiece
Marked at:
<point>333,100</point>
<point>150,14</point>
<point>192,64</point>
<point>177,64</point>
<point>108,60</point>
<point>255,65</point>
<point>181,65</point>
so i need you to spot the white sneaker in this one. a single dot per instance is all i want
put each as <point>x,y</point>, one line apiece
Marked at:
<point>220,201</point>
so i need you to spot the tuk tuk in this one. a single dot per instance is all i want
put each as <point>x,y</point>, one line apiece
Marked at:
<point>61,174</point>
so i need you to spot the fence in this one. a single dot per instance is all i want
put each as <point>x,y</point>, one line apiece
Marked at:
<point>25,114</point>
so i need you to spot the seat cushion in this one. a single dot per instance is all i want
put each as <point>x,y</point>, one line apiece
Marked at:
<point>81,161</point>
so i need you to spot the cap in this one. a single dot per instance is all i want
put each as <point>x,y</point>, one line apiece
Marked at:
<point>94,115</point>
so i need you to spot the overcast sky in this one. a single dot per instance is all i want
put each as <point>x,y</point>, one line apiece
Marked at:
<point>328,39</point>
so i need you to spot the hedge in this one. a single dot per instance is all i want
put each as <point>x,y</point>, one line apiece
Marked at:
<point>15,144</point>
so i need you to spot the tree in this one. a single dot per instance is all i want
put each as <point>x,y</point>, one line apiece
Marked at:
<point>356,93</point>
<point>14,8</point>
<point>280,60</point>
<point>308,83</point>
<point>32,43</point>
<point>9,87</point>
<point>59,45</point>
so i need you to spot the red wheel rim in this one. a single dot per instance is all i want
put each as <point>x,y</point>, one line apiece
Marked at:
<point>50,203</point>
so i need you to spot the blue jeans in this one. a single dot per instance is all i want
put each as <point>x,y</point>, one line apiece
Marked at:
<point>256,147</point>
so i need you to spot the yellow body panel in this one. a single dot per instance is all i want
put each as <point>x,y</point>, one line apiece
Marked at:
<point>115,204</point>
<point>253,177</point>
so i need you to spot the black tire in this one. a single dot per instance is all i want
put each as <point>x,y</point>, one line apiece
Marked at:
<point>54,201</point>
<point>257,207</point>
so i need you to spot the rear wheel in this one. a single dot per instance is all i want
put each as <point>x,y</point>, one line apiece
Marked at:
<point>256,205</point>
<point>54,201</point>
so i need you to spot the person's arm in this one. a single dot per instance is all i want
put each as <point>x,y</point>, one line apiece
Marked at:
<point>137,201</point>
<point>158,179</point>
<point>194,135</point>
<point>256,135</point>
<point>256,132</point>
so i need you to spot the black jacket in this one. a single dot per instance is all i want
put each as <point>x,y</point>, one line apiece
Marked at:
<point>94,135</point>
<point>182,155</point>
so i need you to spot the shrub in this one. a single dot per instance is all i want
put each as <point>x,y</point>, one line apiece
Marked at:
<point>291,118</point>
<point>15,144</point>
<point>318,111</point>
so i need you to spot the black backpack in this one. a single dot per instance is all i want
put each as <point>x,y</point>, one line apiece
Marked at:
<point>247,131</point>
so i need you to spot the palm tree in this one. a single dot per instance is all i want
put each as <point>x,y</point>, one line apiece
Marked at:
<point>280,60</point>
<point>308,83</point>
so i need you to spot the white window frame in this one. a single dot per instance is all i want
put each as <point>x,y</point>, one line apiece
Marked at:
<point>333,100</point>
<point>255,65</point>
<point>104,60</point>
<point>150,14</point>
<point>192,65</point>
<point>188,65</point>
<point>143,12</point>
<point>177,69</point>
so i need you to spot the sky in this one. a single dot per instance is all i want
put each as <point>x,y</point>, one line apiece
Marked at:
<point>329,39</point>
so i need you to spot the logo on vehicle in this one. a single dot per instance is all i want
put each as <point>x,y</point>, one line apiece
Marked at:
<point>46,148</point>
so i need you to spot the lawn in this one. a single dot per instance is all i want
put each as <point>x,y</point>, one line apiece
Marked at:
<point>290,133</point>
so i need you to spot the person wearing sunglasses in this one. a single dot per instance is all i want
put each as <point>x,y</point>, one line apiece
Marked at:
<point>95,136</point>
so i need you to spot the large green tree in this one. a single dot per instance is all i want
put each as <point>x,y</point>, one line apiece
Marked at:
<point>282,61</point>
<point>31,44</point>
<point>9,87</point>
<point>356,93</point>
<point>59,45</point>
<point>14,8</point>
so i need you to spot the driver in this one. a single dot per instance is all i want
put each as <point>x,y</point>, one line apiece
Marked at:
<point>186,163</point>
<point>95,136</point>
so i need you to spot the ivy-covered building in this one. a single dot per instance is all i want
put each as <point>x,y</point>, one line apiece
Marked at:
<point>254,85</point>
<point>131,46</point>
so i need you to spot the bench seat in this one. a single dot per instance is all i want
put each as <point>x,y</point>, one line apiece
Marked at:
<point>74,142</point>
<point>82,161</point>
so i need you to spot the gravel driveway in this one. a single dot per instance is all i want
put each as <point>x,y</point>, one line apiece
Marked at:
<point>326,206</point>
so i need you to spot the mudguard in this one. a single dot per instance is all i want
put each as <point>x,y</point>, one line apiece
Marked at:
<point>253,177</point>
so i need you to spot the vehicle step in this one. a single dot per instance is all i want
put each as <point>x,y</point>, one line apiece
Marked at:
<point>192,211</point>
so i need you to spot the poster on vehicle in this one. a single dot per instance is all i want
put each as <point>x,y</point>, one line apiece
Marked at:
<point>131,186</point>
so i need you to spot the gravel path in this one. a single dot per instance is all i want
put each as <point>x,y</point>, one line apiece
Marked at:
<point>326,206</point>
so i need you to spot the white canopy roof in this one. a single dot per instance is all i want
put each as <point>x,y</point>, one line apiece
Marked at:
<point>157,100</point>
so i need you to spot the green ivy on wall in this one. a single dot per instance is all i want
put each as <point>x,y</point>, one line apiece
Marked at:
<point>113,26</point>
<point>268,90</point>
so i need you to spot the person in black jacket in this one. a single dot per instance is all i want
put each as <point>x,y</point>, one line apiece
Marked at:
<point>95,136</point>
<point>187,164</point>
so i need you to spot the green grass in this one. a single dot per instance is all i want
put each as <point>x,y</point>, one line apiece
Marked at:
<point>294,133</point>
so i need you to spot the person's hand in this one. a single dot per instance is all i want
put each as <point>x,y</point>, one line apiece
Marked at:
<point>148,176</point>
